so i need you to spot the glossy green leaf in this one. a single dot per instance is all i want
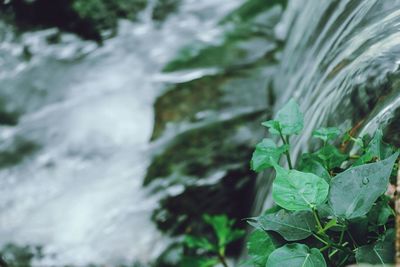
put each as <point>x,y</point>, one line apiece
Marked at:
<point>294,190</point>
<point>326,134</point>
<point>290,225</point>
<point>266,154</point>
<point>382,252</point>
<point>288,121</point>
<point>259,247</point>
<point>354,191</point>
<point>296,255</point>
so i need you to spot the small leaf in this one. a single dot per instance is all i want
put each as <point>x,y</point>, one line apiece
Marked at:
<point>376,149</point>
<point>382,252</point>
<point>309,163</point>
<point>288,120</point>
<point>273,126</point>
<point>354,191</point>
<point>259,247</point>
<point>296,255</point>
<point>326,134</point>
<point>266,154</point>
<point>294,190</point>
<point>291,225</point>
<point>330,156</point>
<point>223,228</point>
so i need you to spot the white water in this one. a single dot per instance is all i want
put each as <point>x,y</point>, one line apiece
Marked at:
<point>90,110</point>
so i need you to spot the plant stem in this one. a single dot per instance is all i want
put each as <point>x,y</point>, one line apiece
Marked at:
<point>315,213</point>
<point>222,260</point>
<point>286,142</point>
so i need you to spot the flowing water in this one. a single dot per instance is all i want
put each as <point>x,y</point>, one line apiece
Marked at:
<point>79,149</point>
<point>341,62</point>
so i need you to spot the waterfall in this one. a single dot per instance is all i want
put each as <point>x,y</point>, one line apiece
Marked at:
<point>340,62</point>
<point>78,141</point>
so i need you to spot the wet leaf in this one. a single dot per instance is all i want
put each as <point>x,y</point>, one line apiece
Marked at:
<point>354,191</point>
<point>266,154</point>
<point>290,225</point>
<point>294,190</point>
<point>326,134</point>
<point>259,247</point>
<point>296,255</point>
<point>288,121</point>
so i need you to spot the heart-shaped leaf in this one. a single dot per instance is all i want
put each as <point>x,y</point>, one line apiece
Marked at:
<point>266,154</point>
<point>296,255</point>
<point>294,190</point>
<point>290,225</point>
<point>289,120</point>
<point>326,134</point>
<point>354,191</point>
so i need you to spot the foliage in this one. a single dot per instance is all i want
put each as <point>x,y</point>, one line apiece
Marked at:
<point>333,209</point>
<point>211,251</point>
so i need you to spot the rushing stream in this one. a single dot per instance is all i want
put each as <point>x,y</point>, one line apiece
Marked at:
<point>341,63</point>
<point>81,140</point>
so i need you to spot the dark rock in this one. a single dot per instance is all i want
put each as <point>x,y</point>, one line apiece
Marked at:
<point>87,18</point>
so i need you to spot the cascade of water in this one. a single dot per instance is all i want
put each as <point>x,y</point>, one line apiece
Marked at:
<point>84,118</point>
<point>340,61</point>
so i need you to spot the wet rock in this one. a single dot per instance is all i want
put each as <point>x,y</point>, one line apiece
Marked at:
<point>243,43</point>
<point>211,98</point>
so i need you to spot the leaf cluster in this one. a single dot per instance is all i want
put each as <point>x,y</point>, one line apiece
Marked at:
<point>332,209</point>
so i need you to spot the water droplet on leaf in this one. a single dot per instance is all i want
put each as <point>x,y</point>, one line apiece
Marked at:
<point>365,180</point>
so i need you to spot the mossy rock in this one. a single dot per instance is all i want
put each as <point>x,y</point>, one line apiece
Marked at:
<point>198,152</point>
<point>208,98</point>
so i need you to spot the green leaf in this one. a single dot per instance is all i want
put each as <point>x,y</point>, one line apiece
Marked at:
<point>288,121</point>
<point>354,191</point>
<point>382,252</point>
<point>330,156</point>
<point>291,225</point>
<point>310,163</point>
<point>294,190</point>
<point>223,228</point>
<point>296,255</point>
<point>376,149</point>
<point>199,242</point>
<point>259,247</point>
<point>326,134</point>
<point>266,154</point>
